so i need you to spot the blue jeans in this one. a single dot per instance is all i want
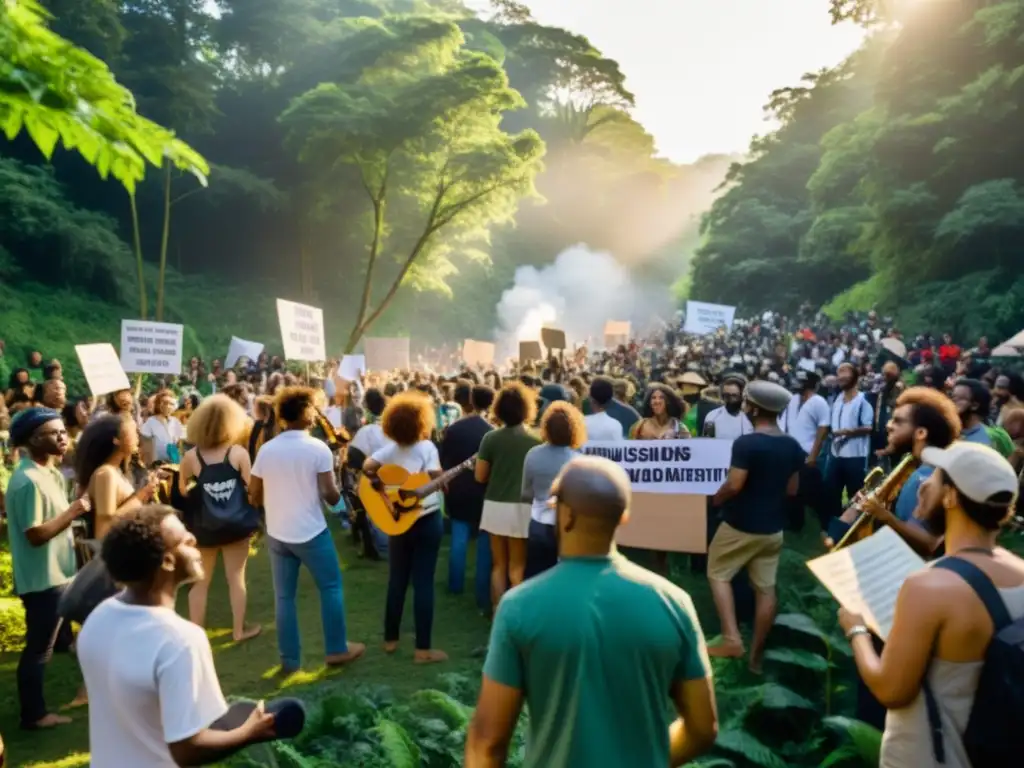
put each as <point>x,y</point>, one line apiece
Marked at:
<point>412,558</point>
<point>462,532</point>
<point>319,556</point>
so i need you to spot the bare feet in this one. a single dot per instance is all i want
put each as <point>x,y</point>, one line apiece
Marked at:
<point>756,666</point>
<point>247,634</point>
<point>355,650</point>
<point>80,700</point>
<point>726,650</point>
<point>391,646</point>
<point>430,657</point>
<point>51,720</point>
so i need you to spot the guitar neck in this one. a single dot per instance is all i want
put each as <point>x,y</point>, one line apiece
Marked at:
<point>440,480</point>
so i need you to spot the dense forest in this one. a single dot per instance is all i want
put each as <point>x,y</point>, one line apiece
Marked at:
<point>393,161</point>
<point>893,181</point>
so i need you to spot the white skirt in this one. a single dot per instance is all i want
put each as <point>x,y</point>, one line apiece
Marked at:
<point>503,518</point>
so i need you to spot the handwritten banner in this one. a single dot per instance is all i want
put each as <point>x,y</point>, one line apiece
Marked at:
<point>302,331</point>
<point>697,466</point>
<point>703,318</point>
<point>150,347</point>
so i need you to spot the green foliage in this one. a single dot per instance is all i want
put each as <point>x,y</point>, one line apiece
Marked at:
<point>893,181</point>
<point>57,92</point>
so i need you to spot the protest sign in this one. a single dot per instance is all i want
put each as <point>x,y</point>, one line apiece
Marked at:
<point>387,354</point>
<point>703,318</point>
<point>616,333</point>
<point>149,347</point>
<point>302,331</point>
<point>552,338</point>
<point>671,480</point>
<point>695,466</point>
<point>102,368</point>
<point>240,348</point>
<point>529,350</point>
<point>352,367</point>
<point>476,353</point>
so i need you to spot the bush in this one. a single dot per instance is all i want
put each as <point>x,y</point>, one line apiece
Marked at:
<point>12,624</point>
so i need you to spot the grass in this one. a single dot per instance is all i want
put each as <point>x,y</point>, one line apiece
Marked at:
<point>250,669</point>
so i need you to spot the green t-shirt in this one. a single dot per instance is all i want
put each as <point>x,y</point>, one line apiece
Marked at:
<point>505,450</point>
<point>596,642</point>
<point>36,495</point>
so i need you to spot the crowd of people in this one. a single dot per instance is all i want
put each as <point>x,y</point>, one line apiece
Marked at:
<point>114,503</point>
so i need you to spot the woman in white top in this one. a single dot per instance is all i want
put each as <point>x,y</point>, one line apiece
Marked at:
<point>408,421</point>
<point>941,629</point>
<point>162,433</point>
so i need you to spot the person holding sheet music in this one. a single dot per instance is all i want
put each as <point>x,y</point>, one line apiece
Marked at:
<point>407,422</point>
<point>942,625</point>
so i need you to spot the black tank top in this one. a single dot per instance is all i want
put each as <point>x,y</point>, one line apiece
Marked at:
<point>223,513</point>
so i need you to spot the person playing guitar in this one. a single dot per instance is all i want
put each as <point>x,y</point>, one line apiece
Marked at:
<point>408,421</point>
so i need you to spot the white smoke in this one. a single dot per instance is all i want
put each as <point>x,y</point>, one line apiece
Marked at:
<point>579,293</point>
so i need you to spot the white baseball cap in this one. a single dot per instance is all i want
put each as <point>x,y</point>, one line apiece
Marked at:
<point>978,472</point>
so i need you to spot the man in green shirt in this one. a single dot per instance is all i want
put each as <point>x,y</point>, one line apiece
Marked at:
<point>42,550</point>
<point>595,646</point>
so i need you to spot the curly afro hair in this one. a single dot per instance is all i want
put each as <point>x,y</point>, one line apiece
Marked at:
<point>514,405</point>
<point>409,418</point>
<point>134,547</point>
<point>562,425</point>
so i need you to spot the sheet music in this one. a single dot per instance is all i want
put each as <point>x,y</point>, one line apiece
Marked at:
<point>866,577</point>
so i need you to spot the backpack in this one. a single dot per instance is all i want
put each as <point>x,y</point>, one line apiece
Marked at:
<point>992,738</point>
<point>222,513</point>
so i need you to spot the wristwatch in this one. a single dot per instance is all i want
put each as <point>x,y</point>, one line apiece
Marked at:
<point>859,629</point>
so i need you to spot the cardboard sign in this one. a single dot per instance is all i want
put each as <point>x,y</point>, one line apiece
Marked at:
<point>666,522</point>
<point>476,353</point>
<point>552,338</point>
<point>302,331</point>
<point>616,334</point>
<point>150,347</point>
<point>240,348</point>
<point>703,318</point>
<point>530,350</point>
<point>102,368</point>
<point>387,354</point>
<point>352,367</point>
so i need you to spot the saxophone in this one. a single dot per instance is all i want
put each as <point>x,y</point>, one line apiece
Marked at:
<point>878,489</point>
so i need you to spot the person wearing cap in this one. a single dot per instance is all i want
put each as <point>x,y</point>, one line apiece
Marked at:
<point>601,426</point>
<point>596,640</point>
<point>42,550</point>
<point>941,629</point>
<point>755,501</point>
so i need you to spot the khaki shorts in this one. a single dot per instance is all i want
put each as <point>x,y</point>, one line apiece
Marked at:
<point>732,550</point>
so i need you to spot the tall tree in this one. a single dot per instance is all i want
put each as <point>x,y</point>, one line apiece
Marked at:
<point>418,129</point>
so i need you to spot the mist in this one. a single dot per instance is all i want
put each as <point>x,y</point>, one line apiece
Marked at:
<point>579,293</point>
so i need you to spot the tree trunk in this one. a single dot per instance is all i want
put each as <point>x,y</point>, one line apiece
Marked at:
<point>137,240</point>
<point>364,303</point>
<point>165,236</point>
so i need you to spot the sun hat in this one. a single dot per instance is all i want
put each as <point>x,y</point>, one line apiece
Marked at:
<point>769,396</point>
<point>978,472</point>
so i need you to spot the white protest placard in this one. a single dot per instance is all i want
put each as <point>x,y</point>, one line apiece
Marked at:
<point>151,347</point>
<point>387,354</point>
<point>476,353</point>
<point>352,367</point>
<point>102,368</point>
<point>240,348</point>
<point>703,318</point>
<point>697,466</point>
<point>302,331</point>
<point>616,333</point>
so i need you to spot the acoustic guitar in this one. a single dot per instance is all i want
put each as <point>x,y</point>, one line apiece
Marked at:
<point>395,503</point>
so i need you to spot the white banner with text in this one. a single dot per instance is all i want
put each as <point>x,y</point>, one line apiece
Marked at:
<point>697,466</point>
<point>151,347</point>
<point>302,331</point>
<point>703,318</point>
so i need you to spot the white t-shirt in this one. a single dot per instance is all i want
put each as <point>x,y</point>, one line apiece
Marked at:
<point>802,420</point>
<point>422,457</point>
<point>369,439</point>
<point>163,435</point>
<point>151,682</point>
<point>601,426</point>
<point>289,465</point>
<point>727,426</point>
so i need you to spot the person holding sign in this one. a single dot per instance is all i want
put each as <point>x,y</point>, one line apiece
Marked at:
<point>755,499</point>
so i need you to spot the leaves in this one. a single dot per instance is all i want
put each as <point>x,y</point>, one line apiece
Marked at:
<point>800,622</point>
<point>866,740</point>
<point>399,748</point>
<point>741,743</point>
<point>797,658</point>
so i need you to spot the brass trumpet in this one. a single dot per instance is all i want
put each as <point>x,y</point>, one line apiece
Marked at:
<point>877,487</point>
